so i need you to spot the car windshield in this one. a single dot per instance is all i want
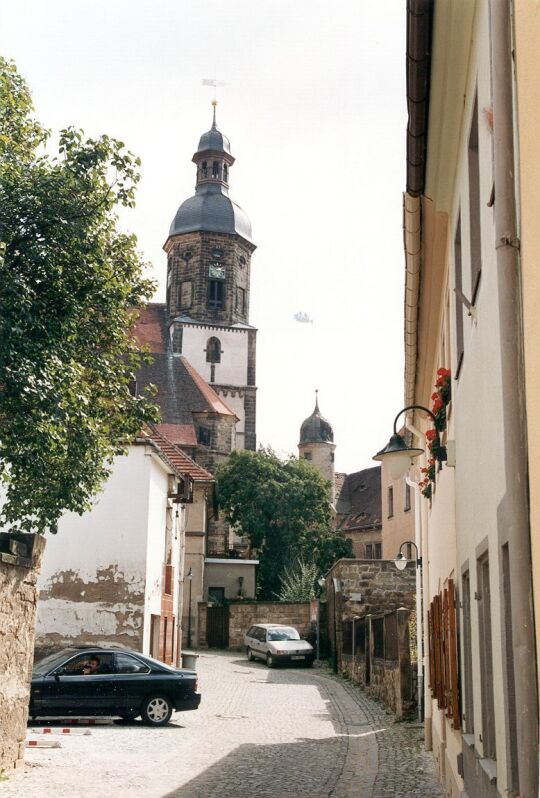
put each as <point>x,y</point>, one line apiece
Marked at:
<point>52,661</point>
<point>283,634</point>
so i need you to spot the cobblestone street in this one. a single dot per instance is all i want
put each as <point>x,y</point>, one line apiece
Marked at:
<point>286,732</point>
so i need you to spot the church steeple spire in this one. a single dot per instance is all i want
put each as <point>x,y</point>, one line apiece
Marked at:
<point>213,158</point>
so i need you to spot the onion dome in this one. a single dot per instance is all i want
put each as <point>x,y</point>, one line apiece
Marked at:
<point>316,429</point>
<point>211,209</point>
<point>214,140</point>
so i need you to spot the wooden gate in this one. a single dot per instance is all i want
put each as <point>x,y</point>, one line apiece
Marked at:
<point>217,631</point>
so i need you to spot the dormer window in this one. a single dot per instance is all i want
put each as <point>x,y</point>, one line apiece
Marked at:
<point>215,169</point>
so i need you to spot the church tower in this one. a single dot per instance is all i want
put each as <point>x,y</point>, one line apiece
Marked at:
<point>317,445</point>
<point>209,250</point>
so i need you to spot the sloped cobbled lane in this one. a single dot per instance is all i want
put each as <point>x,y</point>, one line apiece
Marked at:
<point>281,732</point>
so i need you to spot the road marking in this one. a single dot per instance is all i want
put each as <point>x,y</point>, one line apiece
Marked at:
<point>52,730</point>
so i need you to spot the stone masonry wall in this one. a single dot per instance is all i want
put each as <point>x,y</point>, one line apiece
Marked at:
<point>189,258</point>
<point>20,562</point>
<point>243,614</point>
<point>383,590</point>
<point>382,586</point>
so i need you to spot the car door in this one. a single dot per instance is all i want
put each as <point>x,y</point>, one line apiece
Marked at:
<point>131,681</point>
<point>251,639</point>
<point>260,640</point>
<point>72,691</point>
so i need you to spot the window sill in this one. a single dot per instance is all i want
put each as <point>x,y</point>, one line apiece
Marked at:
<point>468,739</point>
<point>489,766</point>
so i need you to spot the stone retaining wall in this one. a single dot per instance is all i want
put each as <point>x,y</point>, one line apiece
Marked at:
<point>243,614</point>
<point>20,561</point>
<point>369,589</point>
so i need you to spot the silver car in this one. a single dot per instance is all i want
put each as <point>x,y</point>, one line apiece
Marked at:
<point>277,644</point>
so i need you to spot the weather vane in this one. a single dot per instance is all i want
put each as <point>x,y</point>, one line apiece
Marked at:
<point>215,83</point>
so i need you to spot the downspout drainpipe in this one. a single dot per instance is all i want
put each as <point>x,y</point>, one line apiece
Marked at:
<point>513,512</point>
<point>419,617</point>
<point>423,547</point>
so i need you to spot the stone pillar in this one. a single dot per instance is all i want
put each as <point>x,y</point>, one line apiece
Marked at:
<point>20,562</point>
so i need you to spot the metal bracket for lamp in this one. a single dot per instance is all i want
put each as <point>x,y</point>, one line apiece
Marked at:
<point>471,310</point>
<point>398,455</point>
<point>401,561</point>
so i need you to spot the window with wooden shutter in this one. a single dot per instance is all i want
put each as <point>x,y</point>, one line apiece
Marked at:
<point>443,662</point>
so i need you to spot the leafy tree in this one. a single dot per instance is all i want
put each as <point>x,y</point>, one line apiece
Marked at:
<point>284,509</point>
<point>69,283</point>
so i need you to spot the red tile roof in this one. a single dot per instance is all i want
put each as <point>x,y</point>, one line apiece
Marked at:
<point>149,329</point>
<point>211,397</point>
<point>179,434</point>
<point>176,458</point>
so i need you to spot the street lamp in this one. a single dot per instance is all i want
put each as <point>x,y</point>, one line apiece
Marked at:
<point>190,577</point>
<point>321,582</point>
<point>398,456</point>
<point>401,563</point>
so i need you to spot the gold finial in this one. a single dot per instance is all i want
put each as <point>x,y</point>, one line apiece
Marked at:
<point>214,103</point>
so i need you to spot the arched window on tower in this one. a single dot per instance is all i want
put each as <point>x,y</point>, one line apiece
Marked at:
<point>215,169</point>
<point>204,169</point>
<point>213,350</point>
<point>225,173</point>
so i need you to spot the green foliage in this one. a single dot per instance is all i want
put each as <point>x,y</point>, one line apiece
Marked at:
<point>284,508</point>
<point>70,282</point>
<point>298,582</point>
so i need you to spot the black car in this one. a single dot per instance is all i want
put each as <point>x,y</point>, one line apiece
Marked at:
<point>110,681</point>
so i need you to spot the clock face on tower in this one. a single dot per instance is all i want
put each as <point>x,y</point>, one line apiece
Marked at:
<point>217,271</point>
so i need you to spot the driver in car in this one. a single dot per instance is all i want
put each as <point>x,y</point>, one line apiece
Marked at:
<point>94,666</point>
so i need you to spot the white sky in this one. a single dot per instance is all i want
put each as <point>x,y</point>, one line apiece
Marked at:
<point>315,110</point>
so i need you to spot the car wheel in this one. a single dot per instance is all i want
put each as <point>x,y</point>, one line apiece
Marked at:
<point>249,654</point>
<point>270,660</point>
<point>156,710</point>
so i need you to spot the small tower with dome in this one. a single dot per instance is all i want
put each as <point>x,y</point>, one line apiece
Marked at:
<point>317,445</point>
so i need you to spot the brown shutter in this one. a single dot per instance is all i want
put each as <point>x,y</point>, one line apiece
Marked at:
<point>454,684</point>
<point>431,644</point>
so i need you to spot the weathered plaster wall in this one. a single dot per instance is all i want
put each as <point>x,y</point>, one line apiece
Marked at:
<point>153,537</point>
<point>94,585</point>
<point>18,600</point>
